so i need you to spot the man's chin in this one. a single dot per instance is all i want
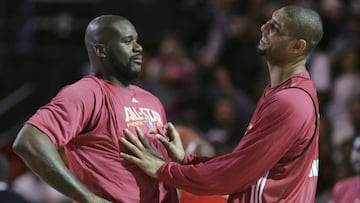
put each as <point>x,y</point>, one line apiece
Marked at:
<point>133,75</point>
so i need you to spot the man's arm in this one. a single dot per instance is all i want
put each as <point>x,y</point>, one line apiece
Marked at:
<point>41,156</point>
<point>263,146</point>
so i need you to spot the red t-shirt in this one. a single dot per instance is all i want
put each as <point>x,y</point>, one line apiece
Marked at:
<point>87,118</point>
<point>347,190</point>
<point>276,160</point>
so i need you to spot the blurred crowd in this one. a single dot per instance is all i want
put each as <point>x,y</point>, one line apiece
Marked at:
<point>206,71</point>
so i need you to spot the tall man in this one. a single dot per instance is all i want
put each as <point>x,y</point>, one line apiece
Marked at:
<point>277,159</point>
<point>86,119</point>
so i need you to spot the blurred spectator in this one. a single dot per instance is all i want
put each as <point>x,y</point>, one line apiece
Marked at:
<point>193,19</point>
<point>354,6</point>
<point>331,12</point>
<point>347,189</point>
<point>35,190</point>
<point>239,61</point>
<point>173,72</point>
<point>346,84</point>
<point>348,36</point>
<point>6,193</point>
<point>227,127</point>
<point>354,107</point>
<point>344,166</point>
<point>321,73</point>
<point>326,164</point>
<point>222,26</point>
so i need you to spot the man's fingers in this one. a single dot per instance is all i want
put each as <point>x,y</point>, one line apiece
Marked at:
<point>130,158</point>
<point>137,152</point>
<point>133,139</point>
<point>142,137</point>
<point>170,131</point>
<point>163,140</point>
<point>153,151</point>
<point>175,133</point>
<point>171,126</point>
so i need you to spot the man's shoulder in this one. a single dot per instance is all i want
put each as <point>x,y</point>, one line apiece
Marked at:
<point>87,85</point>
<point>88,82</point>
<point>292,96</point>
<point>295,103</point>
<point>88,79</point>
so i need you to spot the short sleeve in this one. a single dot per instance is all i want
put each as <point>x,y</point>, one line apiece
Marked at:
<point>68,113</point>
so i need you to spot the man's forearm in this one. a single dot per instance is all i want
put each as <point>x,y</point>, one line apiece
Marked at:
<point>41,156</point>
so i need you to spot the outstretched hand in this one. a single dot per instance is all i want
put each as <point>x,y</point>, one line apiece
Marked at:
<point>144,155</point>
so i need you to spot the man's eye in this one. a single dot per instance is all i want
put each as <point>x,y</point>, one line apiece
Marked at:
<point>274,29</point>
<point>272,26</point>
<point>127,41</point>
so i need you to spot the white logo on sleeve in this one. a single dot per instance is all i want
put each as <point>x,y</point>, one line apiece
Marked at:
<point>314,170</point>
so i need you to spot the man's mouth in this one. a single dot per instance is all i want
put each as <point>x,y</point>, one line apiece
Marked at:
<point>263,41</point>
<point>137,59</point>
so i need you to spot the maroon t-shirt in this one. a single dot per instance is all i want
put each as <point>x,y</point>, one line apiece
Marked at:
<point>87,118</point>
<point>276,160</point>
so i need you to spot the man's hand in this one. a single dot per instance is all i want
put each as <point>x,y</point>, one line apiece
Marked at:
<point>173,145</point>
<point>145,156</point>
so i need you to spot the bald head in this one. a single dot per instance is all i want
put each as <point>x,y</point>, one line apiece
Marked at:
<point>113,50</point>
<point>101,29</point>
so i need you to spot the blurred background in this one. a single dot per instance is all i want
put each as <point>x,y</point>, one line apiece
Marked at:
<point>199,58</point>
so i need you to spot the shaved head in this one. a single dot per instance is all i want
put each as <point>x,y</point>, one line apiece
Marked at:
<point>113,50</point>
<point>305,24</point>
<point>100,29</point>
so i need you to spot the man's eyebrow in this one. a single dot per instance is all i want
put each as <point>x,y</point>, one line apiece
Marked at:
<point>127,38</point>
<point>275,22</point>
<point>130,36</point>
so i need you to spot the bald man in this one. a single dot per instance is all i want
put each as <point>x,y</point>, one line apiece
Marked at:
<point>86,119</point>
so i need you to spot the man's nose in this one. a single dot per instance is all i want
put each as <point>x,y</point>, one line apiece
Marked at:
<point>263,28</point>
<point>137,47</point>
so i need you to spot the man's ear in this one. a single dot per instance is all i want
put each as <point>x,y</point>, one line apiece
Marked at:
<point>100,50</point>
<point>298,46</point>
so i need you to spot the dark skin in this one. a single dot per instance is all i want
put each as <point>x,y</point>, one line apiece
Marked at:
<point>115,55</point>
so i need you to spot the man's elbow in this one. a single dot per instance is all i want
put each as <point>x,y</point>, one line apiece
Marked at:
<point>22,142</point>
<point>19,145</point>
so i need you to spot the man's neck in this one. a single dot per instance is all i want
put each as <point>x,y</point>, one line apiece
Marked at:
<point>114,80</point>
<point>280,73</point>
<point>123,84</point>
